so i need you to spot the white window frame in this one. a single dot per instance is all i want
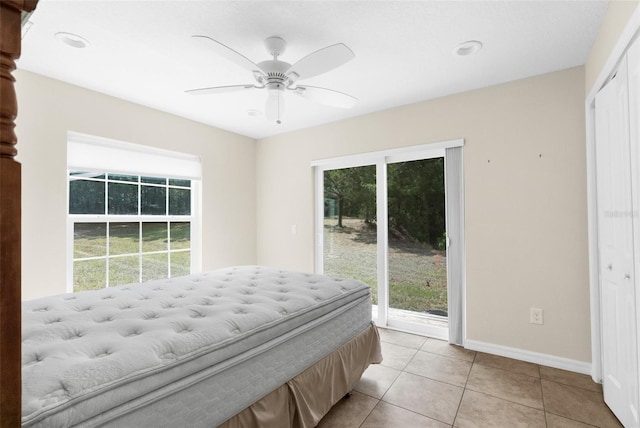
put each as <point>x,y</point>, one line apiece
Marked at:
<point>154,163</point>
<point>381,159</point>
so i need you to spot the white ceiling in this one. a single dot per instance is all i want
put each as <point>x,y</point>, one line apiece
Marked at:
<point>142,51</point>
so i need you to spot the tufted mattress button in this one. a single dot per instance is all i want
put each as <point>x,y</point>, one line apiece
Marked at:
<point>35,359</point>
<point>74,335</point>
<point>105,353</point>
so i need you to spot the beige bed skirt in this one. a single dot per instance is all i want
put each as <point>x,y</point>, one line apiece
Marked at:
<point>305,399</point>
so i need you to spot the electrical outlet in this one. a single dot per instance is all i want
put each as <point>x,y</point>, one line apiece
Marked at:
<point>536,316</point>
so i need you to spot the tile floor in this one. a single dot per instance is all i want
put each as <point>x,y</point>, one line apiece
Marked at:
<point>428,383</point>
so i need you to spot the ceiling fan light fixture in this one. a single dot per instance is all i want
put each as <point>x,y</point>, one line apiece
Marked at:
<point>73,40</point>
<point>468,48</point>
<point>274,109</point>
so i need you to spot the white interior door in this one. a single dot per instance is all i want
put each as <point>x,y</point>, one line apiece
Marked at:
<point>616,252</point>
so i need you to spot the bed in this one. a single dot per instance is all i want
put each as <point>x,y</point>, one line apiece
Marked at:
<point>81,361</point>
<point>241,346</point>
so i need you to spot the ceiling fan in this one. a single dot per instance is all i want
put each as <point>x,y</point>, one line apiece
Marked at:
<point>277,76</point>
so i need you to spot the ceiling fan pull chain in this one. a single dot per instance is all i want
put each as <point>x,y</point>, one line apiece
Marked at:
<point>279,121</point>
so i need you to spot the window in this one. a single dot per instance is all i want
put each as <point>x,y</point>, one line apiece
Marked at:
<point>126,227</point>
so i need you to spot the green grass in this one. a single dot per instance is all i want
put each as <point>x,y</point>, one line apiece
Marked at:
<point>417,272</point>
<point>92,272</point>
<point>90,240</point>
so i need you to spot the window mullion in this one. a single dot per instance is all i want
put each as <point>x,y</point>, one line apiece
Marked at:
<point>108,259</point>
<point>107,238</point>
<point>140,250</point>
<point>139,229</point>
<point>168,231</point>
<point>169,249</point>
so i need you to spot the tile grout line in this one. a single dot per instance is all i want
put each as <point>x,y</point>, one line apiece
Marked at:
<point>571,385</point>
<point>544,406</point>
<point>568,418</point>
<point>464,390</point>
<point>371,411</point>
<point>409,410</point>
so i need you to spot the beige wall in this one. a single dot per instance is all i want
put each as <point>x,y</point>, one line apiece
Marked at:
<point>614,22</point>
<point>49,108</point>
<point>524,188</point>
<point>525,191</point>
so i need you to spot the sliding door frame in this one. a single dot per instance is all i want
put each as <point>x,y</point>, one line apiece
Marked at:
<point>381,159</point>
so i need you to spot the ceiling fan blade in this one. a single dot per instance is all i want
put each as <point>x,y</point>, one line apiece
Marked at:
<point>274,109</point>
<point>232,55</point>
<point>326,96</point>
<point>321,61</point>
<point>219,89</point>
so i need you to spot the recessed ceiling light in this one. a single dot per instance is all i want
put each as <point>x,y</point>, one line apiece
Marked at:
<point>72,40</point>
<point>468,48</point>
<point>254,113</point>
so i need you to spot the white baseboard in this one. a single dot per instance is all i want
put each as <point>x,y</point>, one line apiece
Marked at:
<point>529,356</point>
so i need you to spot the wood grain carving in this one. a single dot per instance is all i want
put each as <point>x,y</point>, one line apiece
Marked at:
<point>10,228</point>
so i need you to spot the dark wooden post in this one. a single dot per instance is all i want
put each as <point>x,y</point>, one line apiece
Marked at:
<point>10,204</point>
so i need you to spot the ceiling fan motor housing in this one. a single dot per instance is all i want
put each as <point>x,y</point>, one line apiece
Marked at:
<point>275,71</point>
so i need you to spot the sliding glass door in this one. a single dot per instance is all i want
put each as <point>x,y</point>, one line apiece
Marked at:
<point>383,220</point>
<point>417,242</point>
<point>349,225</point>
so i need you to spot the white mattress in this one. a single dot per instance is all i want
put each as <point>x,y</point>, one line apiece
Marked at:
<point>94,355</point>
